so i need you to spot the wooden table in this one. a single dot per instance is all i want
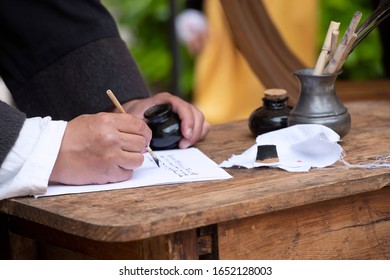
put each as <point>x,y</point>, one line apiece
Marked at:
<point>329,213</point>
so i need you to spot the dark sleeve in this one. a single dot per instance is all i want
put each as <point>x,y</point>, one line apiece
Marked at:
<point>11,122</point>
<point>63,56</point>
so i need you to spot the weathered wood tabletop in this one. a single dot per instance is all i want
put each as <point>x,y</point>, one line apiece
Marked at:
<point>139,213</point>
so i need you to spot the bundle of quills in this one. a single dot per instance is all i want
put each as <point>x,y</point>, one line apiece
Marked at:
<point>334,54</point>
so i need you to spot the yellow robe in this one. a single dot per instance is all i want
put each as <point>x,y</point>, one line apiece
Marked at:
<point>225,88</point>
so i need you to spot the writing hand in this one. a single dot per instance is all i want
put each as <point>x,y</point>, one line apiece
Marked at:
<point>101,148</point>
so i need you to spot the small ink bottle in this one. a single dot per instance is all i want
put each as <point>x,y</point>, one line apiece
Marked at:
<point>165,126</point>
<point>272,115</point>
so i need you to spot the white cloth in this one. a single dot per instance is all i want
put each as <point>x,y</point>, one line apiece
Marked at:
<point>299,148</point>
<point>27,167</point>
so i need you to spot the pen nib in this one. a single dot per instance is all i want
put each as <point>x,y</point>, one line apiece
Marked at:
<point>153,156</point>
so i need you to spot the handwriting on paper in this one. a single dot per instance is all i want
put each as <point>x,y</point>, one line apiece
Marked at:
<point>171,163</point>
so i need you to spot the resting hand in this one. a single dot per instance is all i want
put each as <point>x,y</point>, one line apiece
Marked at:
<point>193,125</point>
<point>101,148</point>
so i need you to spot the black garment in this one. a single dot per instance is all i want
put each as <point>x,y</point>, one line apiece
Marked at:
<point>63,56</point>
<point>77,83</point>
<point>11,121</point>
<point>58,58</point>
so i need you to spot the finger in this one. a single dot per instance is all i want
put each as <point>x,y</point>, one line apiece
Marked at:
<point>205,130</point>
<point>116,174</point>
<point>198,131</point>
<point>101,174</point>
<point>186,114</point>
<point>132,142</point>
<point>130,160</point>
<point>131,125</point>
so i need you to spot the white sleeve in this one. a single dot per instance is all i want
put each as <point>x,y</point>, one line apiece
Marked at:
<point>27,167</point>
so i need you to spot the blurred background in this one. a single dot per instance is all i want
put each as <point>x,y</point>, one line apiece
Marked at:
<point>147,27</point>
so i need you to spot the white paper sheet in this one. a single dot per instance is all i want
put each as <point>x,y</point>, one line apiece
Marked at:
<point>176,166</point>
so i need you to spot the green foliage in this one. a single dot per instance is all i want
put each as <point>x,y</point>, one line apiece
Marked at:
<point>365,60</point>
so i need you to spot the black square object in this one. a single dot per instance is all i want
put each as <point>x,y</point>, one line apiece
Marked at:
<point>267,154</point>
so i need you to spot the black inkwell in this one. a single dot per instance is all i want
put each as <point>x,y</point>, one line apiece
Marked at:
<point>165,126</point>
<point>272,115</point>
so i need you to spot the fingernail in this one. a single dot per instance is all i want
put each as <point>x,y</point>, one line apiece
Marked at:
<point>189,133</point>
<point>184,144</point>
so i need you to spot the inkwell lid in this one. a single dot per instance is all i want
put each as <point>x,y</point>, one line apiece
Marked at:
<point>275,94</point>
<point>158,113</point>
